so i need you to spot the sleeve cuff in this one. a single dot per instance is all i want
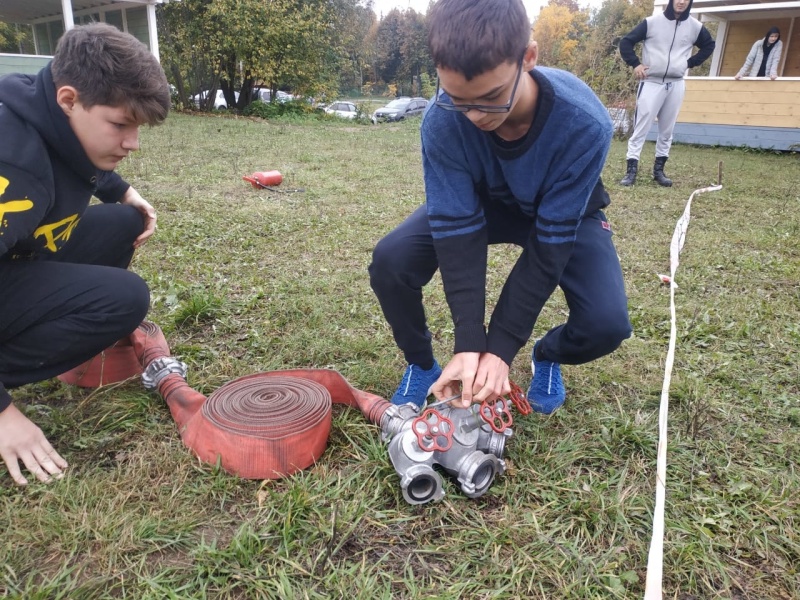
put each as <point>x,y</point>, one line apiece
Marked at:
<point>112,188</point>
<point>470,338</point>
<point>503,345</point>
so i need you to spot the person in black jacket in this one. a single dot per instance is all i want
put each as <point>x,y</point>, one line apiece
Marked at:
<point>667,42</point>
<point>66,293</point>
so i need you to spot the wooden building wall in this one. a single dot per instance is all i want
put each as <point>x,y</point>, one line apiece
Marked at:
<point>753,102</point>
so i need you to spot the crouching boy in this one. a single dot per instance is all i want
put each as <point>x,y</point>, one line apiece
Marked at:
<point>65,291</point>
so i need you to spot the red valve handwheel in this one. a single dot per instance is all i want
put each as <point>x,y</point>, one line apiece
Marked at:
<point>496,414</point>
<point>519,399</point>
<point>433,431</point>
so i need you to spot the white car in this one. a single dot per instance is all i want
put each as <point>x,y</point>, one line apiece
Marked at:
<point>219,100</point>
<point>264,95</point>
<point>346,110</point>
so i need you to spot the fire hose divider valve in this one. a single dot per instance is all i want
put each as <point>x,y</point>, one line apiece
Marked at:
<point>466,443</point>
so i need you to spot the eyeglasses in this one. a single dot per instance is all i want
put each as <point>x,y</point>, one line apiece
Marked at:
<point>486,108</point>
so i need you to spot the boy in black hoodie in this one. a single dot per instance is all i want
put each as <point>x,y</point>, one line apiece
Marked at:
<point>66,293</point>
<point>667,41</point>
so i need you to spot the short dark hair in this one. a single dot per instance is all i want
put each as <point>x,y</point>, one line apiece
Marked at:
<point>475,36</point>
<point>112,68</point>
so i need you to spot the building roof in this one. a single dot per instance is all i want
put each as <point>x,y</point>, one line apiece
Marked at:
<point>28,11</point>
<point>737,6</point>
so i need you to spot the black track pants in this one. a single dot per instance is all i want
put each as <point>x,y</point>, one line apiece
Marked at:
<point>404,261</point>
<point>57,313</point>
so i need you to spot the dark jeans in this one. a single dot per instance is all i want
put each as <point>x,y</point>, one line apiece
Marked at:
<point>58,312</point>
<point>405,260</point>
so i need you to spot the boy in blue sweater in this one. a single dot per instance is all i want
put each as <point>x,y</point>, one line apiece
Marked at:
<point>65,292</point>
<point>511,154</point>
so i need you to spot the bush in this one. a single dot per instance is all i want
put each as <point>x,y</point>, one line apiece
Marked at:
<point>273,110</point>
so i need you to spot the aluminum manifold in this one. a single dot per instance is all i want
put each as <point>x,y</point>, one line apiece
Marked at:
<point>466,443</point>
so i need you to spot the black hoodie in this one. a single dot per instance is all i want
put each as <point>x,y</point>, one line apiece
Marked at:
<point>668,43</point>
<point>46,178</point>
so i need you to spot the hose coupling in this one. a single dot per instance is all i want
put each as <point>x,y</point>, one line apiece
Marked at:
<point>160,368</point>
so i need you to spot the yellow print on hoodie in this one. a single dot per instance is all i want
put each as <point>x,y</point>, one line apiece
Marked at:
<point>10,206</point>
<point>50,235</point>
<point>50,232</point>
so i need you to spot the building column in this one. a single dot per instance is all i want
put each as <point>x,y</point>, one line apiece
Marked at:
<point>66,8</point>
<point>152,31</point>
<point>719,48</point>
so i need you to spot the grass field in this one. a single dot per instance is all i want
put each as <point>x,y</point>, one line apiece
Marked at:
<point>247,280</point>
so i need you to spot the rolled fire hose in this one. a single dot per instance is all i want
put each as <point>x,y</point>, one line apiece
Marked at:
<point>262,426</point>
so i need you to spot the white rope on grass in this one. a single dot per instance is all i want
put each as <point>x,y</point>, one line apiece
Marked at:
<point>655,561</point>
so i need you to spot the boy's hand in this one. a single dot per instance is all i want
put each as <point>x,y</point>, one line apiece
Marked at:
<point>133,198</point>
<point>640,72</point>
<point>493,373</point>
<point>477,377</point>
<point>22,440</point>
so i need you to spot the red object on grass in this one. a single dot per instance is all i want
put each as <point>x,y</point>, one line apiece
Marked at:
<point>112,365</point>
<point>263,179</point>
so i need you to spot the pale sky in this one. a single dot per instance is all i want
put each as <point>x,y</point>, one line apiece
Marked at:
<point>421,6</point>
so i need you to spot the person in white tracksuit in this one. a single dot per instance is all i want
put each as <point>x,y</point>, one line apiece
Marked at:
<point>667,42</point>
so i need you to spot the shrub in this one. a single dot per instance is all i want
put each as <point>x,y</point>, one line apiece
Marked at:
<point>272,110</point>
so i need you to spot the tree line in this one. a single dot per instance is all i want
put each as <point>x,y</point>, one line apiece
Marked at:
<point>328,48</point>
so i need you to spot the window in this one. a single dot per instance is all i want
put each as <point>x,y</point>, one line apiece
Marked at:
<point>114,17</point>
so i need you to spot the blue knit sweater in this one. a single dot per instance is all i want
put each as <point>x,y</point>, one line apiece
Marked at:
<point>552,175</point>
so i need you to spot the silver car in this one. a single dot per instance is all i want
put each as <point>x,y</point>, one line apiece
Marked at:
<point>399,109</point>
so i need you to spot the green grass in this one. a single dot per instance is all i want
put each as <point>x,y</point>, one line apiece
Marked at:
<point>247,280</point>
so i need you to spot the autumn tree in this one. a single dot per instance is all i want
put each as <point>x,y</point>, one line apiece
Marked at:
<point>353,26</point>
<point>241,44</point>
<point>598,62</point>
<point>571,5</point>
<point>16,38</point>
<point>415,56</point>
<point>401,50</point>
<point>388,40</point>
<point>558,30</point>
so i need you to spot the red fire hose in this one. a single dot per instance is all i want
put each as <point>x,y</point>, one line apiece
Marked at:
<point>262,426</point>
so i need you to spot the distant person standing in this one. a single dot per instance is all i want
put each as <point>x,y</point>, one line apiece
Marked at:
<point>667,39</point>
<point>764,56</point>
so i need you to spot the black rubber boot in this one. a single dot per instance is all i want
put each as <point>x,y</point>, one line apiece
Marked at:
<point>630,174</point>
<point>658,172</point>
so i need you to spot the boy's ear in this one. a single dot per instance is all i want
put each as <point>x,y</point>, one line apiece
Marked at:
<point>66,96</point>
<point>531,56</point>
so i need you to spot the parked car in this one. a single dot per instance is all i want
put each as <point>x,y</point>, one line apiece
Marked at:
<point>346,110</point>
<point>219,101</point>
<point>620,120</point>
<point>400,108</point>
<point>265,95</point>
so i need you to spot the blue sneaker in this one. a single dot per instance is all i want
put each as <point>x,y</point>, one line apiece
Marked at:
<point>546,392</point>
<point>416,384</point>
